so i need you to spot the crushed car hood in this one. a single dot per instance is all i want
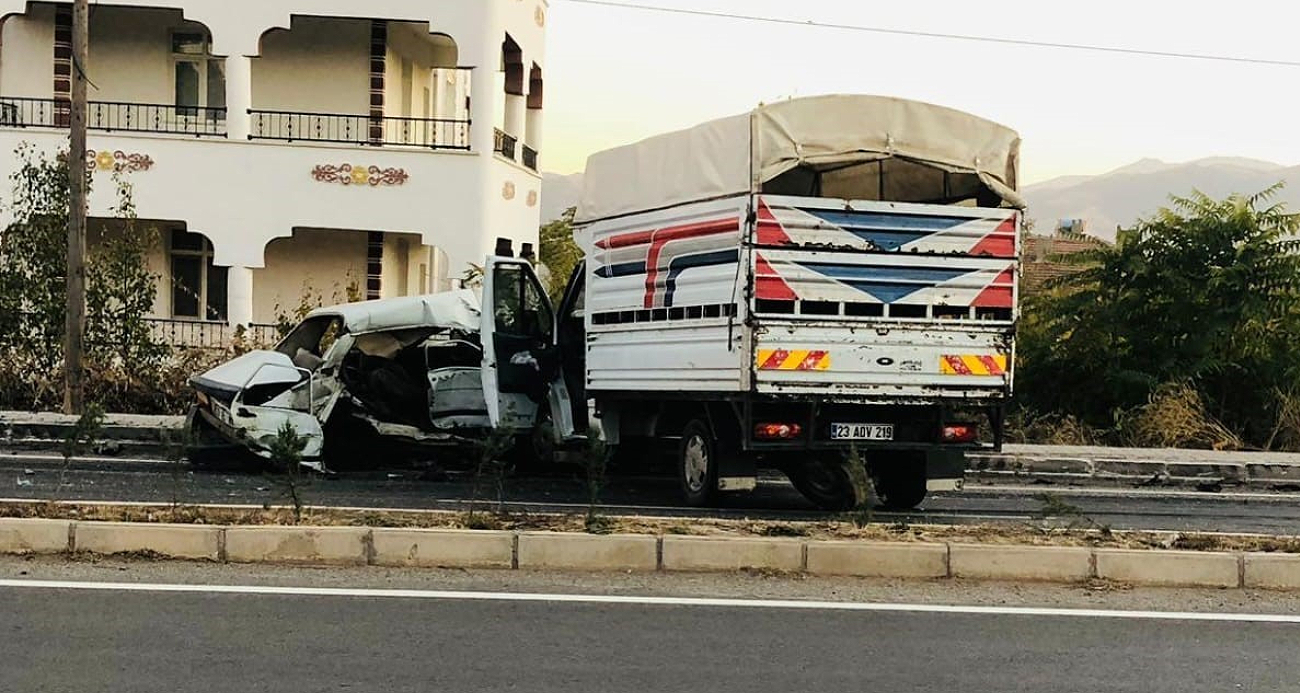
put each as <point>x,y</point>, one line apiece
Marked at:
<point>253,368</point>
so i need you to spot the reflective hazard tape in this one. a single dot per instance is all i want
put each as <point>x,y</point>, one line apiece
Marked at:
<point>793,360</point>
<point>973,364</point>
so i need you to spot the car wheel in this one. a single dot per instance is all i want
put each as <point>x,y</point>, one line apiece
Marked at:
<point>697,464</point>
<point>206,448</point>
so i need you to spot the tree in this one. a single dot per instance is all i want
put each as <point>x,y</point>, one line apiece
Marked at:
<point>1205,293</point>
<point>120,292</point>
<point>33,289</point>
<point>559,253</point>
<point>33,260</point>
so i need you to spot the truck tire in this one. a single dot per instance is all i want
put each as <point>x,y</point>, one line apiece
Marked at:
<point>697,465</point>
<point>900,482</point>
<point>826,484</point>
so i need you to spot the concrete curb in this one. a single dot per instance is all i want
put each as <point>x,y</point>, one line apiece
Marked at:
<point>628,552</point>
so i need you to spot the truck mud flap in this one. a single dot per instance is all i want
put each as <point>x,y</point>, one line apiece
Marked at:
<point>737,472</point>
<point>944,470</point>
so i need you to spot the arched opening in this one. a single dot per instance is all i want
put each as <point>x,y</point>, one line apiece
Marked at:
<point>316,266</point>
<point>533,122</point>
<point>364,81</point>
<point>511,125</point>
<point>154,70</point>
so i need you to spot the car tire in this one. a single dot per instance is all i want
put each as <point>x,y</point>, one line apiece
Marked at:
<point>826,484</point>
<point>697,465</point>
<point>205,448</point>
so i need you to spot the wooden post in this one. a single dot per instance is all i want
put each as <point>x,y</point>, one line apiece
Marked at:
<point>74,393</point>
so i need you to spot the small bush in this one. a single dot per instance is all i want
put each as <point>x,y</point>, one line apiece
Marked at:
<point>1176,417</point>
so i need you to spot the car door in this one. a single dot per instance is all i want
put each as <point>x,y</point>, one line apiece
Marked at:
<point>520,359</point>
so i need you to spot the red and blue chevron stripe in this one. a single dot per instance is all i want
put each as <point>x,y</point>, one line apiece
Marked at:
<point>991,233</point>
<point>662,254</point>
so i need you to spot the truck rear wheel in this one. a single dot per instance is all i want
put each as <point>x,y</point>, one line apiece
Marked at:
<point>826,484</point>
<point>697,464</point>
<point>900,481</point>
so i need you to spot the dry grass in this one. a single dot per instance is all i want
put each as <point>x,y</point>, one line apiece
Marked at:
<point>1021,534</point>
<point>1176,418</point>
<point>1050,429</point>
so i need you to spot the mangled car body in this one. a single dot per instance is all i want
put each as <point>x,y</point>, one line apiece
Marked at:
<point>408,370</point>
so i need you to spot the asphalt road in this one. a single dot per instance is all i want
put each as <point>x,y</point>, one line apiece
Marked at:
<point>38,475</point>
<point>75,639</point>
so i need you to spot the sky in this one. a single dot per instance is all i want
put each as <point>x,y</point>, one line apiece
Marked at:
<point>616,75</point>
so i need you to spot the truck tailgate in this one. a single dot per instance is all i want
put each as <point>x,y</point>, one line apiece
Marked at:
<point>879,362</point>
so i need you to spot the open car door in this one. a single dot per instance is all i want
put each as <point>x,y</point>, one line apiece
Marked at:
<point>520,359</point>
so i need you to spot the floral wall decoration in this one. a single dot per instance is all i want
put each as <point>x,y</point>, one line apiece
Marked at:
<point>355,174</point>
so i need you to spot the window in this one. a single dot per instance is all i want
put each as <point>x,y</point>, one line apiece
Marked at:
<point>199,78</point>
<point>521,308</point>
<point>196,282</point>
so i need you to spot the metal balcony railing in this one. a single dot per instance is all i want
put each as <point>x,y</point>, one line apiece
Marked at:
<point>530,158</point>
<point>504,144</point>
<point>289,126</point>
<point>207,334</point>
<point>114,116</point>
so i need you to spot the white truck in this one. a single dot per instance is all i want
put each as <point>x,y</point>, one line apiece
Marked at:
<point>779,288</point>
<point>773,290</point>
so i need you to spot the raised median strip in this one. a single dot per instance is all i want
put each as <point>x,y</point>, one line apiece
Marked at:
<point>129,434</point>
<point>525,550</point>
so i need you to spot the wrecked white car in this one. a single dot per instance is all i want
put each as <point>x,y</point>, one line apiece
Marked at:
<point>414,372</point>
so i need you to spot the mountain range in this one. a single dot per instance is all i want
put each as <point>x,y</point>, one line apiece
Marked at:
<point>1105,201</point>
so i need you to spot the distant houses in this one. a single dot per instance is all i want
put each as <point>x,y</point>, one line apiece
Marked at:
<point>1045,258</point>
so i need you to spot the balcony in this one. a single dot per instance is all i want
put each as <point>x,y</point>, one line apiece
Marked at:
<point>504,144</point>
<point>530,158</point>
<point>114,116</point>
<point>431,133</point>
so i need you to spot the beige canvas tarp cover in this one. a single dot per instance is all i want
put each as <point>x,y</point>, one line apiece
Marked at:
<point>737,155</point>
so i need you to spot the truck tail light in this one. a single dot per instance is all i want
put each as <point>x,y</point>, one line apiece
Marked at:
<point>958,433</point>
<point>777,431</point>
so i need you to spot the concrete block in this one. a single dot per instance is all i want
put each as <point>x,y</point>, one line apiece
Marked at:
<point>1274,473</point>
<point>731,553</point>
<point>587,551</point>
<point>1205,470</point>
<point>1169,568</point>
<point>175,541</point>
<point>434,548</point>
<point>23,535</point>
<point>1135,468</point>
<point>877,559</point>
<point>1046,563</point>
<point>313,545</point>
<point>997,463</point>
<point>1273,571</point>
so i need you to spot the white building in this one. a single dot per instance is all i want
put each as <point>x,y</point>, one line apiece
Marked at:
<point>281,143</point>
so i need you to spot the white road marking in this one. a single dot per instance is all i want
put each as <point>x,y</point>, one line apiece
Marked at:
<point>450,595</point>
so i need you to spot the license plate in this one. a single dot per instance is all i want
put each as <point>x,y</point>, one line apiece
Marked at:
<point>856,431</point>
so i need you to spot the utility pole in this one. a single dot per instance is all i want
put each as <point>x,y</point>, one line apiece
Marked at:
<point>74,392</point>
